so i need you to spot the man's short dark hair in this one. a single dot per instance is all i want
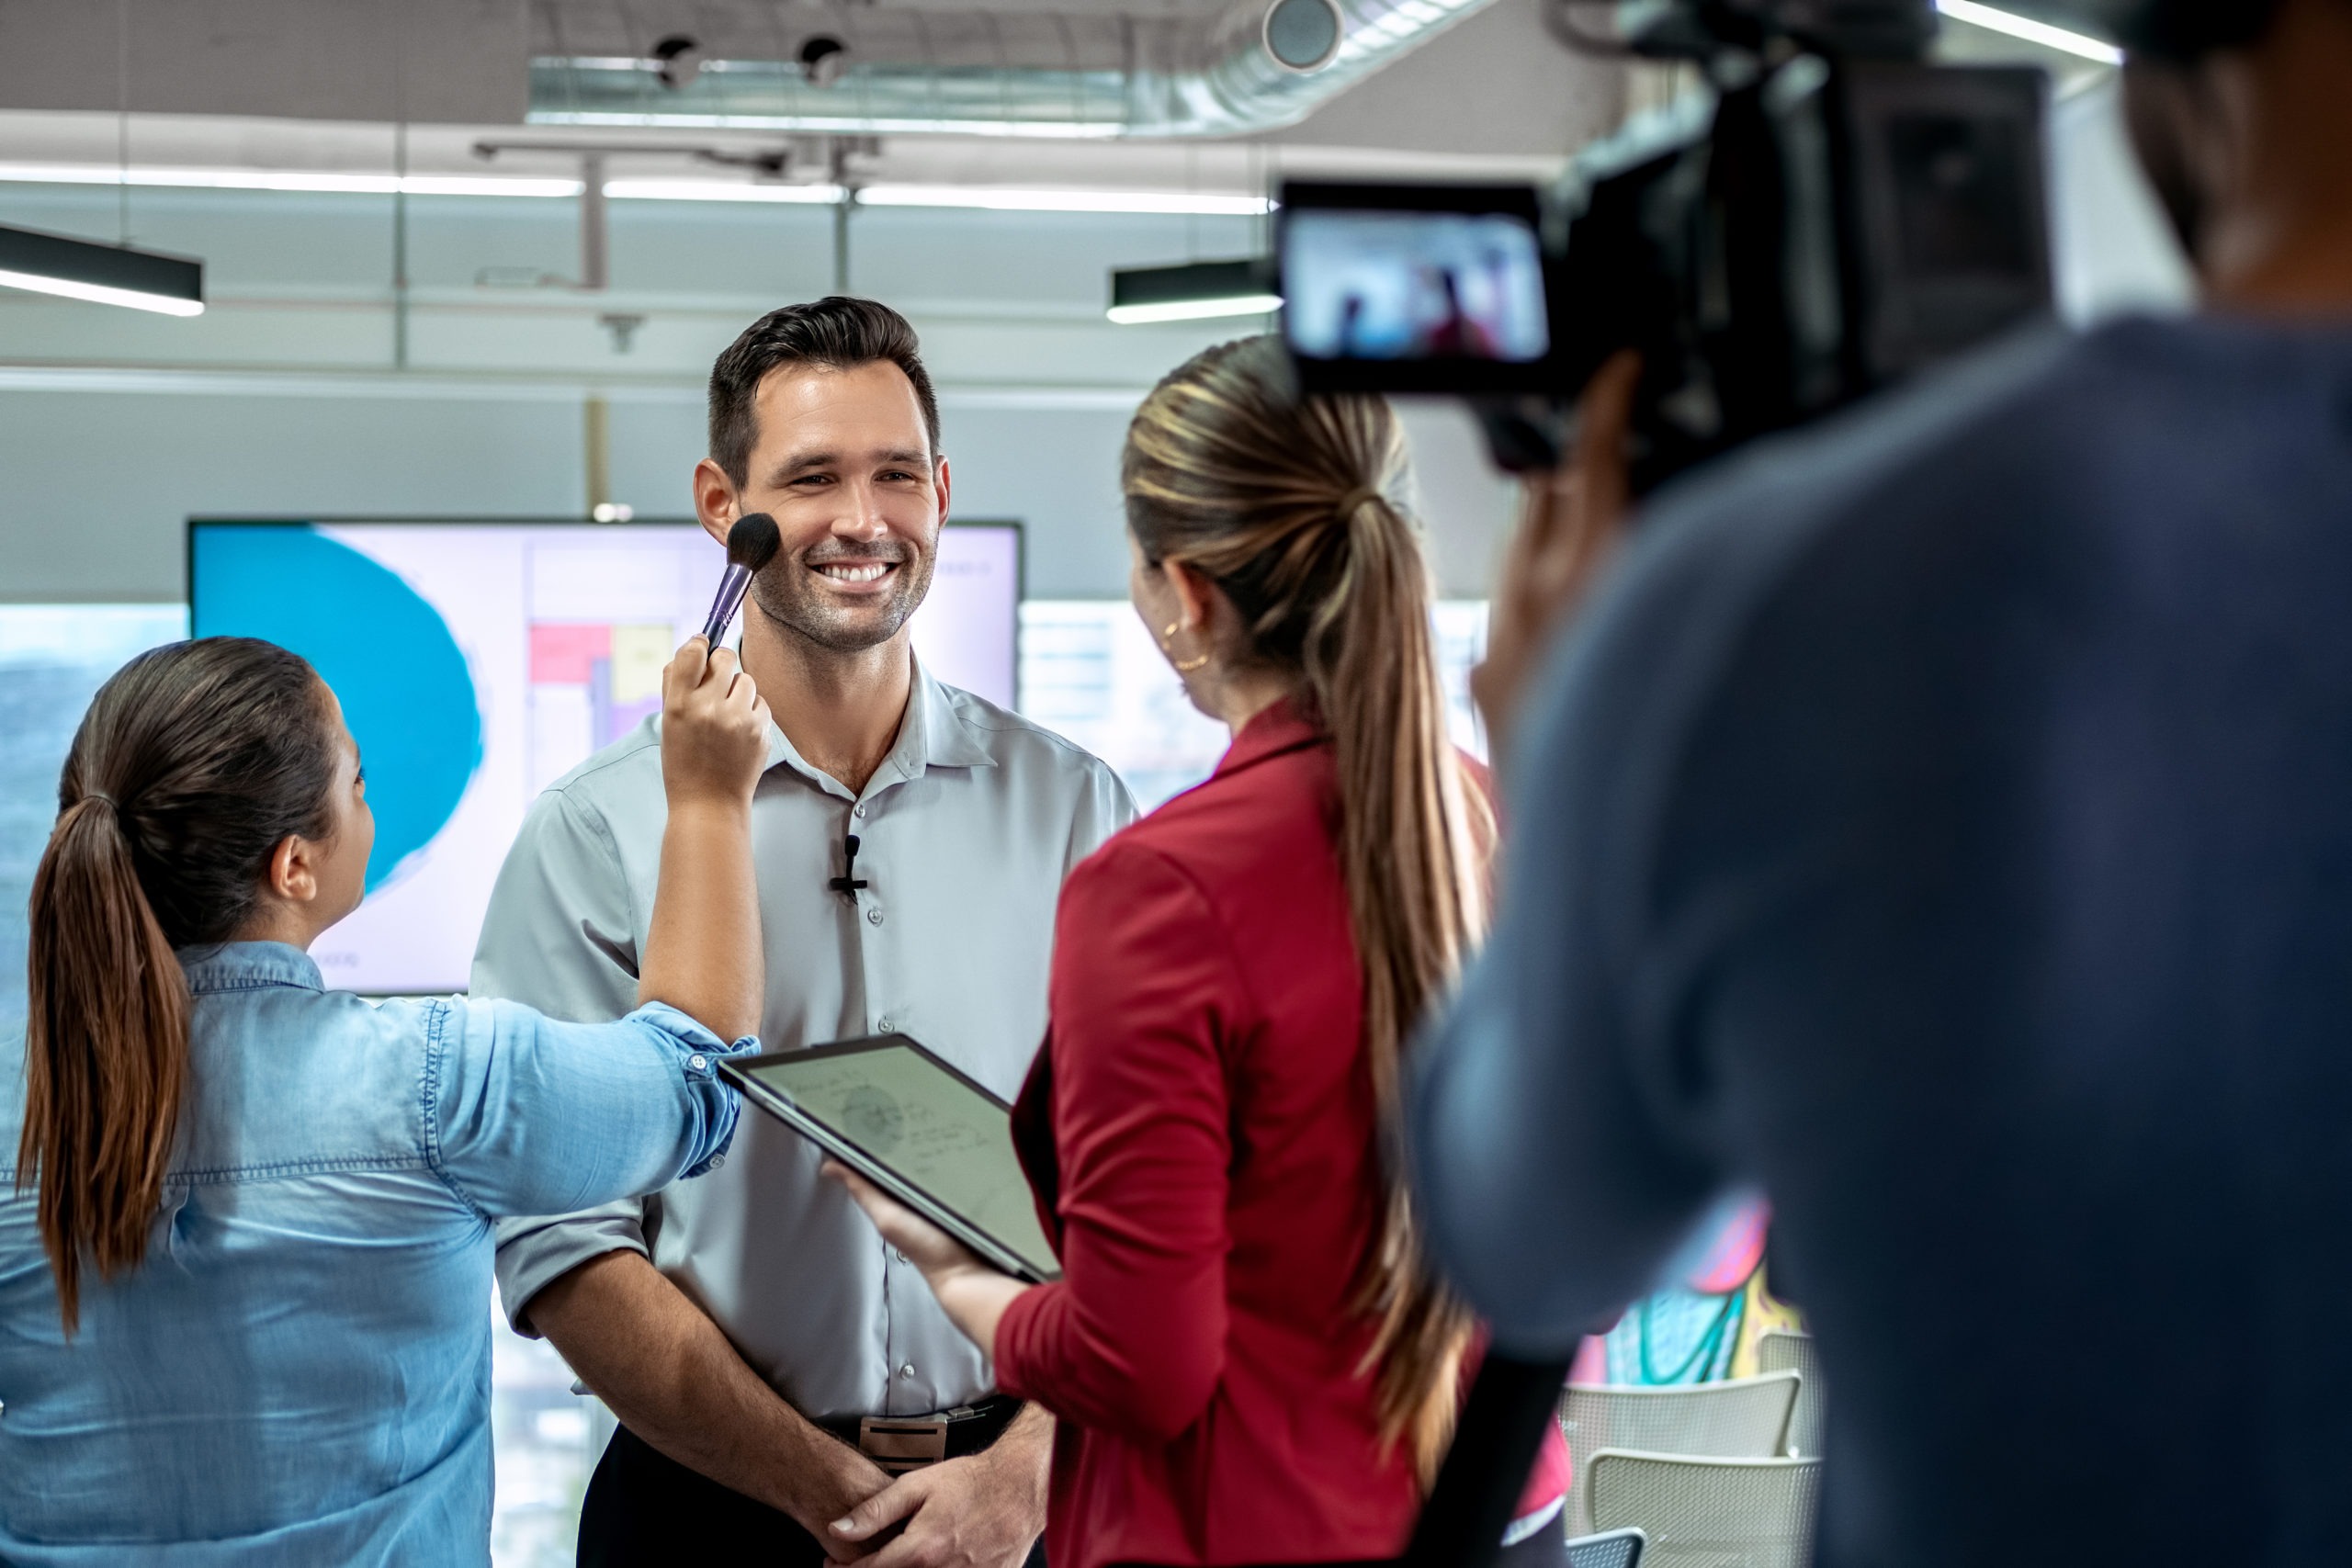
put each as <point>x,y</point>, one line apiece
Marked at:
<point>836,333</point>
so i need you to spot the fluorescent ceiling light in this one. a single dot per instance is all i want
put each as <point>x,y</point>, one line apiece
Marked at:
<point>1196,309</point>
<point>2025,28</point>
<point>286,180</point>
<point>1197,291</point>
<point>103,274</point>
<point>987,197</point>
<point>997,198</point>
<point>719,191</point>
<point>845,125</point>
<point>1003,199</point>
<point>483,185</point>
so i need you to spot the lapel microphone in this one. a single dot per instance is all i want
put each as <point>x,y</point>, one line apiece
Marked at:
<point>751,543</point>
<point>848,882</point>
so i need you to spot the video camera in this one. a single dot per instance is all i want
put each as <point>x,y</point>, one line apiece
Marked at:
<point>1836,213</point>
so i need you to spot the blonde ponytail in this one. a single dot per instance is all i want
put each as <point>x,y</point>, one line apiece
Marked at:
<point>1287,504</point>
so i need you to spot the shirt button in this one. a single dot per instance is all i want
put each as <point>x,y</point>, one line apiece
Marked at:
<point>873,917</point>
<point>894,1252</point>
<point>882,1024</point>
<point>716,1161</point>
<point>907,1373</point>
<point>857,811</point>
<point>698,1062</point>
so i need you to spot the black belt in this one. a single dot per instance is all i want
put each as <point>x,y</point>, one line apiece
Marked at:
<point>900,1443</point>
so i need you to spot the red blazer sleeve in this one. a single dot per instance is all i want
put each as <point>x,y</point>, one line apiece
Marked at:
<point>1144,996</point>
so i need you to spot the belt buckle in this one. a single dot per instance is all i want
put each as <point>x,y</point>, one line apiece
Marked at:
<point>898,1444</point>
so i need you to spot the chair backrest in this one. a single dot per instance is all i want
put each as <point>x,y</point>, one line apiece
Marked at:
<point>1744,1418</point>
<point>1618,1549</point>
<point>1711,1512</point>
<point>1784,1350</point>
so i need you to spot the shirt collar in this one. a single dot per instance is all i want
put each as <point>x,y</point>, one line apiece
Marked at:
<point>1282,727</point>
<point>933,735</point>
<point>248,965</point>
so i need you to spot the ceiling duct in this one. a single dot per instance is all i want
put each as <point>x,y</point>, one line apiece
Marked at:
<point>792,66</point>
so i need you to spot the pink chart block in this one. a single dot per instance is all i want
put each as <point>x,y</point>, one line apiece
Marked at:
<point>566,654</point>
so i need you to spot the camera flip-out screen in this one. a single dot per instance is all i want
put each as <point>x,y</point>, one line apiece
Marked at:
<point>1427,289</point>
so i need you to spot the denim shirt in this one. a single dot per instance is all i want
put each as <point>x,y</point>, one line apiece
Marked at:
<point>299,1370</point>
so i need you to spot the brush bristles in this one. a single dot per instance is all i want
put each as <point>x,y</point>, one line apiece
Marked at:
<point>754,541</point>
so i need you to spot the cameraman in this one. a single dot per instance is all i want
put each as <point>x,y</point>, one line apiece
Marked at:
<point>1942,823</point>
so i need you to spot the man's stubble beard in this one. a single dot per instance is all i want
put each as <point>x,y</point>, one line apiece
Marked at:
<point>785,595</point>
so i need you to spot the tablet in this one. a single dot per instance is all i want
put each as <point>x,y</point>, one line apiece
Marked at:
<point>916,1128</point>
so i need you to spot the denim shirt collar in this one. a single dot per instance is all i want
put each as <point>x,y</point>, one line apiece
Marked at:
<point>248,967</point>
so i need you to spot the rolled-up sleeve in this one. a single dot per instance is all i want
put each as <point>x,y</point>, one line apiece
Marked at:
<point>1133,1338</point>
<point>526,1114</point>
<point>560,936</point>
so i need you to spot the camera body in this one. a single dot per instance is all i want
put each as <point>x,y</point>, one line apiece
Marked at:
<point>1840,224</point>
<point>1835,215</point>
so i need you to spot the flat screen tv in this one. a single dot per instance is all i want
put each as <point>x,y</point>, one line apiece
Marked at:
<point>477,661</point>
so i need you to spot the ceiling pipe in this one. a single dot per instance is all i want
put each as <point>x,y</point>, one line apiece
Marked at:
<point>897,70</point>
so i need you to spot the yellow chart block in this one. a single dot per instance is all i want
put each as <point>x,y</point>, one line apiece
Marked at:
<point>639,652</point>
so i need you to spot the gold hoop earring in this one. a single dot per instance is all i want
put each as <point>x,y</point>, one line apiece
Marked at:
<point>1183,666</point>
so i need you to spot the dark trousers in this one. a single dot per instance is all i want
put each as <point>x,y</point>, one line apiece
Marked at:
<point>646,1510</point>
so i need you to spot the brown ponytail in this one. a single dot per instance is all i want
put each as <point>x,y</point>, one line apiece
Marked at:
<point>1287,504</point>
<point>191,765</point>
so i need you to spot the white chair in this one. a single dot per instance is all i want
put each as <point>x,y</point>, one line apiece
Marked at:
<point>1711,1512</point>
<point>1618,1549</point>
<point>1744,1418</point>
<point>1784,1350</point>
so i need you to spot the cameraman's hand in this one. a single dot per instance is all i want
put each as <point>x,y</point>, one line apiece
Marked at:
<point>1571,520</point>
<point>714,730</point>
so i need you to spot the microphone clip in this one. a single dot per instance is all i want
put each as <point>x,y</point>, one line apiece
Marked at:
<point>848,882</point>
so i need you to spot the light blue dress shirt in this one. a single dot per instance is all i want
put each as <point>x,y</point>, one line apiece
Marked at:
<point>299,1371</point>
<point>965,833</point>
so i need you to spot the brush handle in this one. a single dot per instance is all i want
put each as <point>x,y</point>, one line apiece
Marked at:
<point>731,587</point>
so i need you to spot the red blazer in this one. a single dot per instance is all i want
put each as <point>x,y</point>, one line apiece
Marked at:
<point>1199,1127</point>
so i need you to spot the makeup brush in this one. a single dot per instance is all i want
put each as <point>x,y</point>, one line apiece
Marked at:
<point>751,545</point>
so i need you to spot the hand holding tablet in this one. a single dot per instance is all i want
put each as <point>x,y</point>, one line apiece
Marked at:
<point>925,1245</point>
<point>921,1135</point>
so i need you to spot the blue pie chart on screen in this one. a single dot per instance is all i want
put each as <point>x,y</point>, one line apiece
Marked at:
<point>402,679</point>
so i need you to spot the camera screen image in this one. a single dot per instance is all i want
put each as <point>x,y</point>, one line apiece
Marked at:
<point>1413,286</point>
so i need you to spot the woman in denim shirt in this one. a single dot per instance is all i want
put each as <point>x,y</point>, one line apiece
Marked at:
<point>246,1317</point>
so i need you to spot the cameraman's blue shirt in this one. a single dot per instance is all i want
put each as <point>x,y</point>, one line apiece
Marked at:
<point>1943,823</point>
<point>300,1373</point>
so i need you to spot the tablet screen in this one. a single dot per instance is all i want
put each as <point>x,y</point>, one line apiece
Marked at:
<point>932,1127</point>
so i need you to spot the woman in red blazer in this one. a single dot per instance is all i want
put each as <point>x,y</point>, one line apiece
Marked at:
<point>1249,1363</point>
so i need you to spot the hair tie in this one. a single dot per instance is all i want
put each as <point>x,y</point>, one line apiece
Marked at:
<point>112,803</point>
<point>1352,503</point>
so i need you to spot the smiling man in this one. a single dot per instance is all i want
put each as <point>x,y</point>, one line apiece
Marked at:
<point>748,1328</point>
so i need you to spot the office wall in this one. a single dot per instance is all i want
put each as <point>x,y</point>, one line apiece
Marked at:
<point>292,395</point>
<point>95,484</point>
<point>284,398</point>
